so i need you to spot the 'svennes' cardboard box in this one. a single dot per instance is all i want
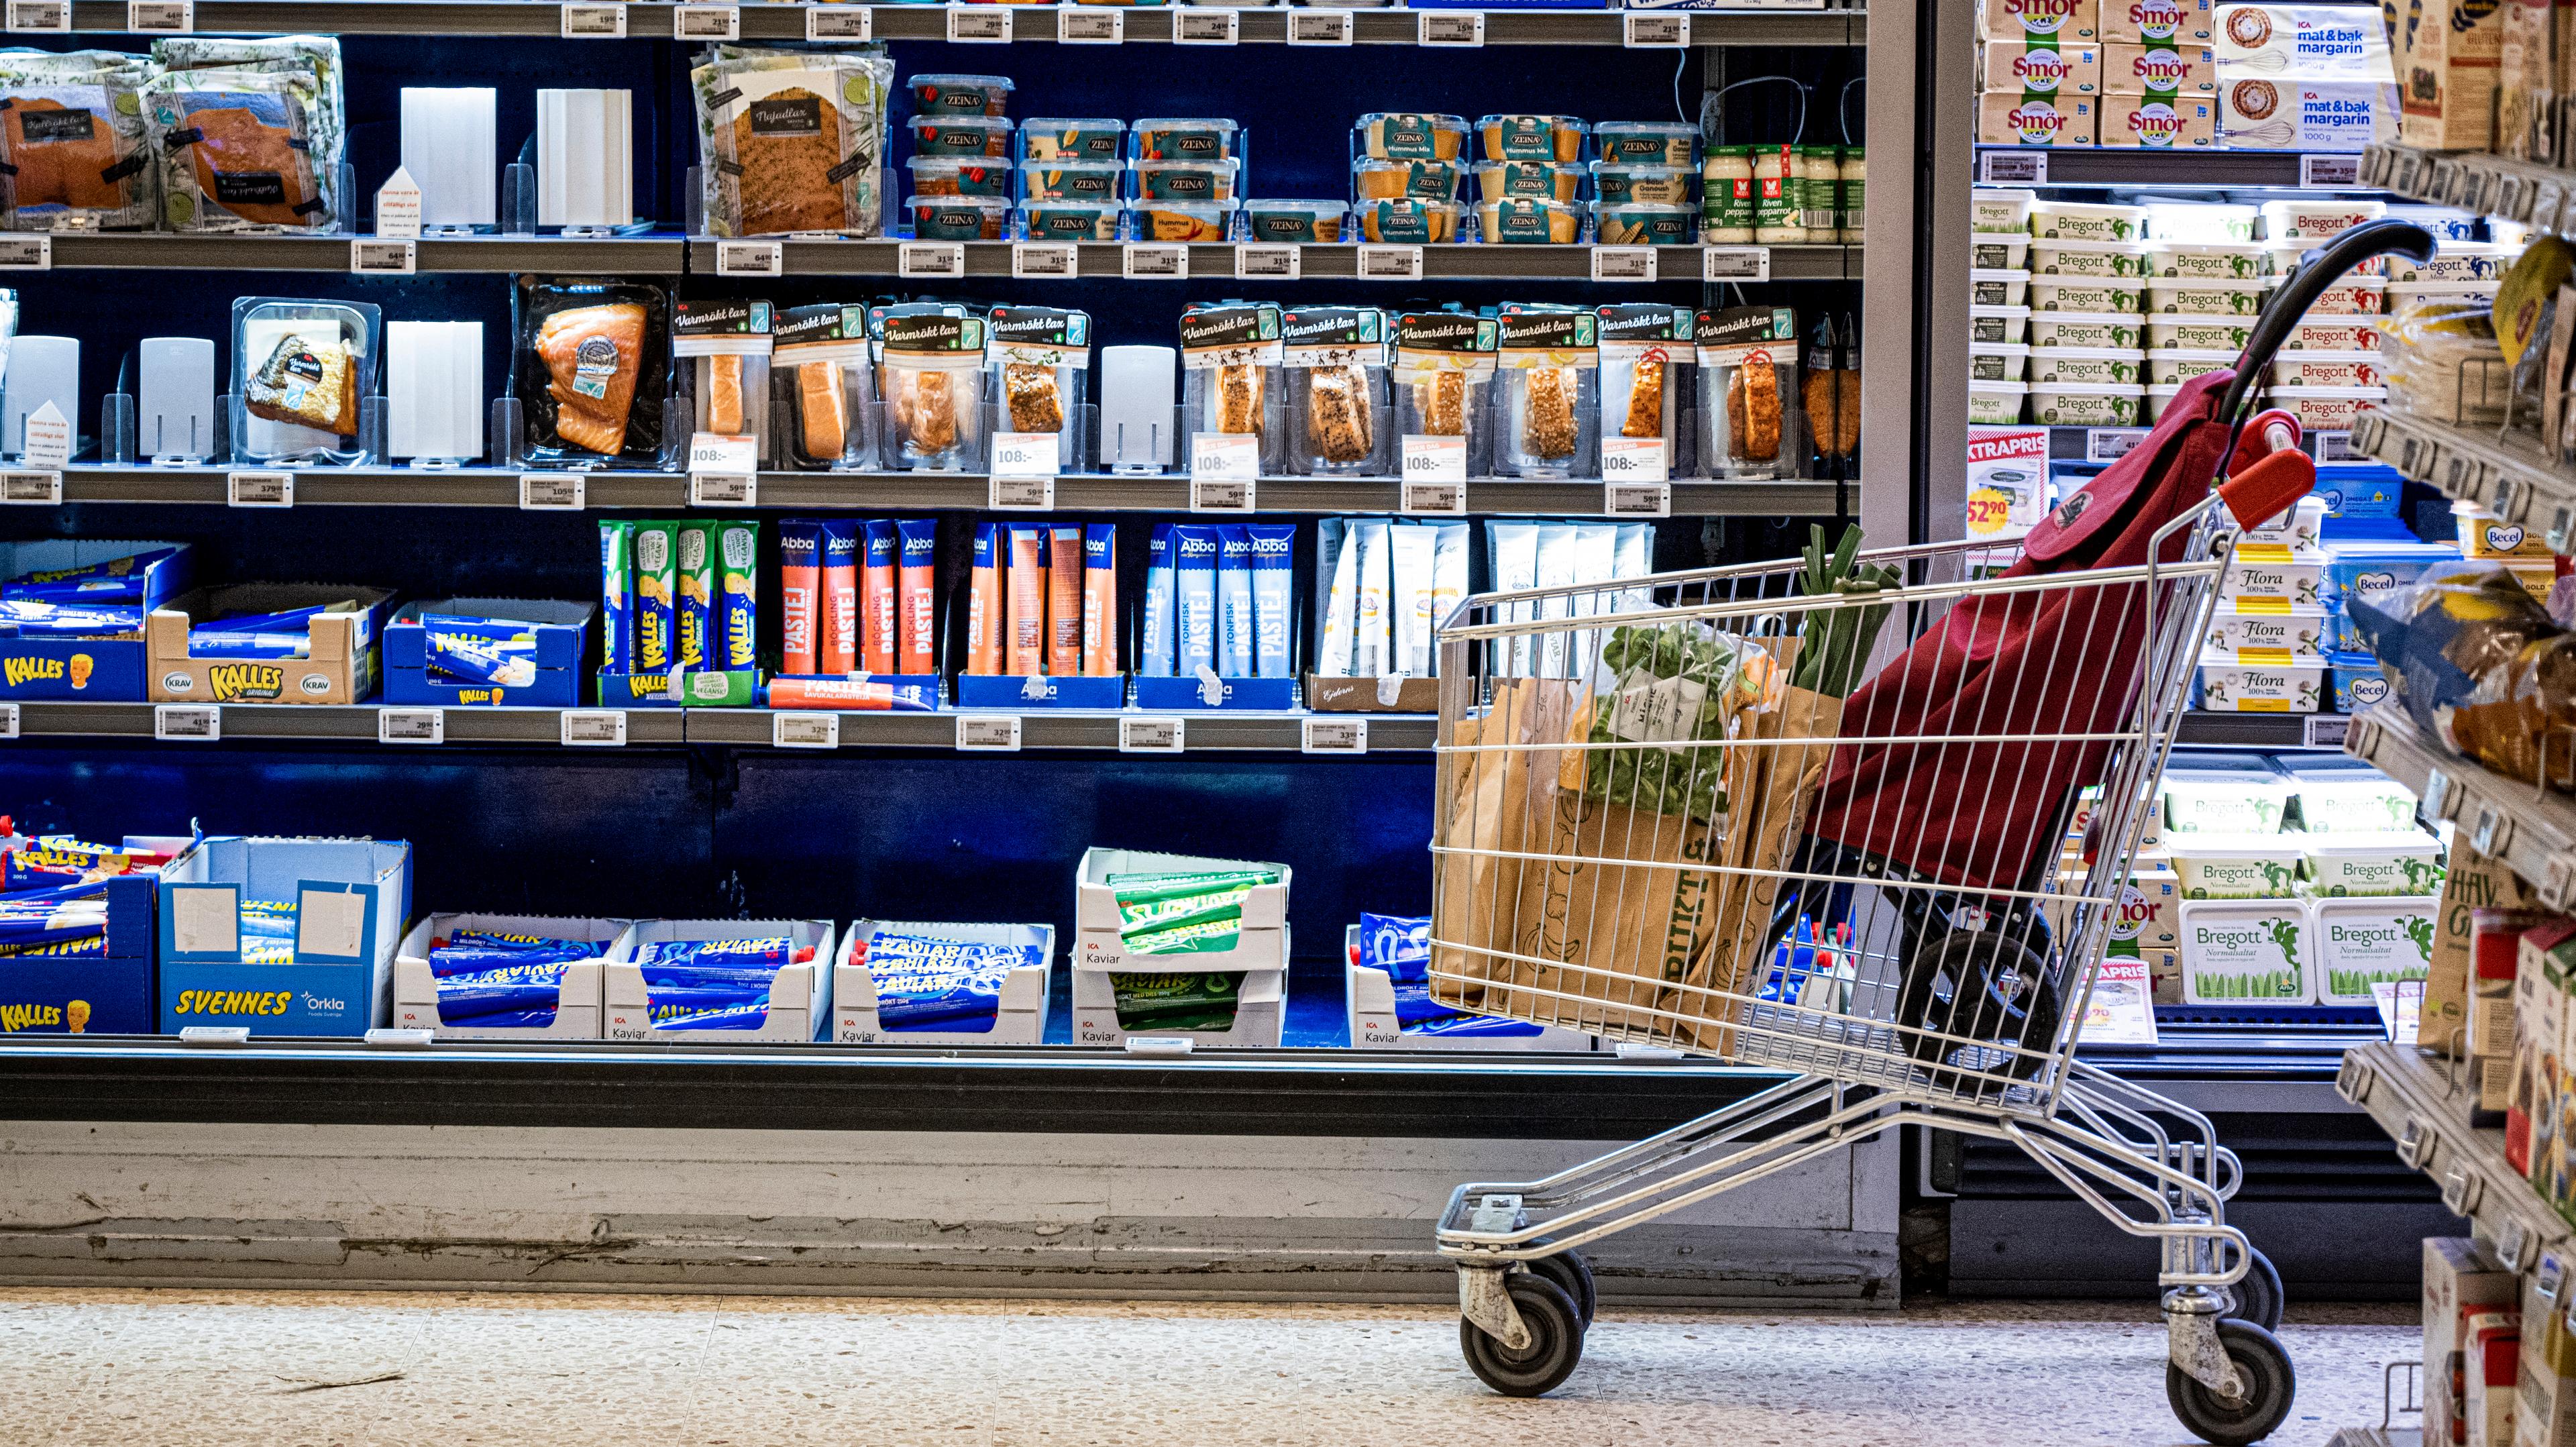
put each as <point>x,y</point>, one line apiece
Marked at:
<point>2449,51</point>
<point>2473,882</point>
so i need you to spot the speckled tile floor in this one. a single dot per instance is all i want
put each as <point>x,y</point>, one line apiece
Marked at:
<point>142,1368</point>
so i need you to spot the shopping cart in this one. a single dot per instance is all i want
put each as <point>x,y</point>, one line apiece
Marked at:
<point>1685,811</point>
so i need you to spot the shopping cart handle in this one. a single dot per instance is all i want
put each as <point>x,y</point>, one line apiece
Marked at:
<point>2318,270</point>
<point>2260,493</point>
<point>2268,433</point>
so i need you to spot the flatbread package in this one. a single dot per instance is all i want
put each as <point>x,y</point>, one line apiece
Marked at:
<point>591,370</point>
<point>792,141</point>
<point>270,126</point>
<point>75,154</point>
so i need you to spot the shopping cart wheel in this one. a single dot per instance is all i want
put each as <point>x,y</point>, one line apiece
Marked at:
<point>2270,1387</point>
<point>1556,1340</point>
<point>1573,1275</point>
<point>2259,1297</point>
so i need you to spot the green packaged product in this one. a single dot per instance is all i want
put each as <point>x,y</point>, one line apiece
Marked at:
<point>1176,1002</point>
<point>1181,913</point>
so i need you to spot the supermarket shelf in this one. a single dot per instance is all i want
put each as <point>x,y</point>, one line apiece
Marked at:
<point>623,255</point>
<point>818,1087</point>
<point>2420,1100</point>
<point>1460,262</point>
<point>2533,832</point>
<point>742,727</point>
<point>2121,166</point>
<point>2261,730</point>
<point>492,487</point>
<point>2536,195</point>
<point>1815,27</point>
<point>2511,478</point>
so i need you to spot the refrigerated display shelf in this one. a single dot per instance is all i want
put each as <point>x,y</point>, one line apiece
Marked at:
<point>494,487</point>
<point>640,255</point>
<point>1393,1094</point>
<point>2510,477</point>
<point>647,20</point>
<point>2195,170</point>
<point>2538,196</point>
<point>2263,730</point>
<point>1453,262</point>
<point>2421,1100</point>
<point>1207,732</point>
<point>2533,831</point>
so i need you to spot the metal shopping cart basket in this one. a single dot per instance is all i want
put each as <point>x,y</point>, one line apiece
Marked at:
<point>1673,811</point>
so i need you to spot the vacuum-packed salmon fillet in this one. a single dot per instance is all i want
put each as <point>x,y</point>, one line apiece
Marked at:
<point>61,155</point>
<point>253,166</point>
<point>592,355</point>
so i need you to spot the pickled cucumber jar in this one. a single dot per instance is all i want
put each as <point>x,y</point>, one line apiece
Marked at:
<point>1726,195</point>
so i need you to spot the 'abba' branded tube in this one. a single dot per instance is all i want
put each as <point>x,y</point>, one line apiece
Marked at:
<point>1234,625</point>
<point>697,593</point>
<point>1162,584</point>
<point>1555,570</point>
<point>800,589</point>
<point>839,648</point>
<point>1369,639</point>
<point>1028,584</point>
<point>1515,567</point>
<point>918,540</point>
<point>1409,548</point>
<point>1341,601</point>
<point>984,603</point>
<point>1274,574</point>
<point>1194,597</point>
<point>1448,578</point>
<point>657,593</point>
<point>736,644</point>
<point>1100,601</point>
<point>876,598</point>
<point>1066,565</point>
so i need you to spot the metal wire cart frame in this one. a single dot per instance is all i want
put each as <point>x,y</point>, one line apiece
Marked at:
<point>1674,811</point>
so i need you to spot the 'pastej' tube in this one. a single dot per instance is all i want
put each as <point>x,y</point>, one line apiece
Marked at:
<point>840,645</point>
<point>1065,569</point>
<point>1100,601</point>
<point>800,589</point>
<point>984,603</point>
<point>918,539</point>
<point>876,599</point>
<point>1028,584</point>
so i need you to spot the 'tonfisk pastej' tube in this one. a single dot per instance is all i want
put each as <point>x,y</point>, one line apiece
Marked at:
<point>592,356</point>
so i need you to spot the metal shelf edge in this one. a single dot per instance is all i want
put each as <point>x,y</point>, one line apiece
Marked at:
<point>2533,832</point>
<point>2406,1094</point>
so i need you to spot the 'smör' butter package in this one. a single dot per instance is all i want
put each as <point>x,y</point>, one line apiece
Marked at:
<point>2009,118</point>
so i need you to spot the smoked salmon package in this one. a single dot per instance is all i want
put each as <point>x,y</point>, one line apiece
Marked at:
<point>792,142</point>
<point>252,133</point>
<point>826,397</point>
<point>722,347</point>
<point>75,154</point>
<point>930,370</point>
<point>1038,370</point>
<point>305,381</point>
<point>591,371</point>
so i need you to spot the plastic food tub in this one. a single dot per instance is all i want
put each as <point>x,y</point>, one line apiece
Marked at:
<point>2082,405</point>
<point>1387,180</point>
<point>1655,186</point>
<point>1998,361</point>
<point>2359,682</point>
<point>2084,294</point>
<point>2282,257</point>
<point>937,135</point>
<point>2236,866</point>
<point>2172,366</point>
<point>1433,221</point>
<point>1535,180</point>
<point>1072,138</point>
<point>1998,252</point>
<point>2200,221</point>
<point>1072,220</point>
<point>2203,260</point>
<point>2199,334</point>
<point>2077,221</point>
<point>1996,403</point>
<point>2086,258</point>
<point>2206,298</point>
<point>2484,535</point>
<point>2243,796</point>
<point>961,95</point>
<point>2299,631</point>
<point>2393,862</point>
<point>959,176</point>
<point>2272,577</point>
<point>2235,685</point>
<point>2300,525</point>
<point>1998,323</point>
<point>1998,287</point>
<point>1074,181</point>
<point>2445,223</point>
<point>2353,296</point>
<point>1294,220</point>
<point>1528,222</point>
<point>1183,138</point>
<point>2328,369</point>
<point>1413,136</point>
<point>1530,138</point>
<point>959,218</point>
<point>1647,143</point>
<point>2087,366</point>
<point>2085,329</point>
<point>1186,220</point>
<point>1208,180</point>
<point>2454,261</point>
<point>2332,334</point>
<point>1636,223</point>
<point>1995,209</point>
<point>2327,409</point>
<point>2317,220</point>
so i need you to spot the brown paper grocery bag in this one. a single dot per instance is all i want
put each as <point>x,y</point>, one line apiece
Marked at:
<point>1497,802</point>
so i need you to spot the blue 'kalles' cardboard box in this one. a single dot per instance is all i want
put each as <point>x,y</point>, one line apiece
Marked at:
<point>562,632</point>
<point>340,662</point>
<point>67,993</point>
<point>351,898</point>
<point>111,670</point>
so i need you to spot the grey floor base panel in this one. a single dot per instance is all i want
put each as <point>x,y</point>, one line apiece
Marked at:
<point>2326,1250</point>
